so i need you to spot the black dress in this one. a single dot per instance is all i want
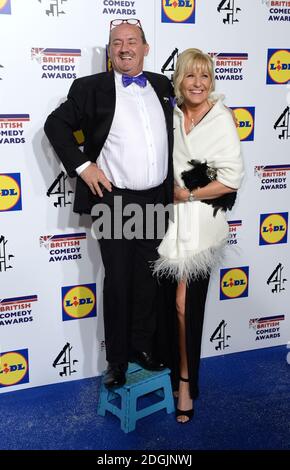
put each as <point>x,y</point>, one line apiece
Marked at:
<point>167,332</point>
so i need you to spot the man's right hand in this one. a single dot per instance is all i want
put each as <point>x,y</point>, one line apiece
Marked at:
<point>93,177</point>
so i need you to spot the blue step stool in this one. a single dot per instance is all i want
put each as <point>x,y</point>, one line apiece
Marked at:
<point>139,382</point>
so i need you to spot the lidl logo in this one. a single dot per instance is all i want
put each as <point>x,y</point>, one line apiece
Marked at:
<point>10,192</point>
<point>246,122</point>
<point>234,283</point>
<point>79,302</point>
<point>273,228</point>
<point>5,7</point>
<point>14,368</point>
<point>108,60</point>
<point>182,11</point>
<point>278,66</point>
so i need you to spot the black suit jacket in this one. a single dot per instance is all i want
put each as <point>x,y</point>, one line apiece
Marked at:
<point>90,106</point>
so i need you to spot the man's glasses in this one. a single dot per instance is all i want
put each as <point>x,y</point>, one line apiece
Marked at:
<point>132,21</point>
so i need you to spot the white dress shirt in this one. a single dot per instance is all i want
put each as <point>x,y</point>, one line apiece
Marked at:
<point>135,154</point>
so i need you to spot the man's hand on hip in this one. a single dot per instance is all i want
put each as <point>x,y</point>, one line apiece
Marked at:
<point>93,177</point>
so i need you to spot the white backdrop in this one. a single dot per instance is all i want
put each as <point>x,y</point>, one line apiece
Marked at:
<point>51,326</point>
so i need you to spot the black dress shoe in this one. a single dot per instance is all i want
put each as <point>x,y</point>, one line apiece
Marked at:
<point>115,375</point>
<point>145,360</point>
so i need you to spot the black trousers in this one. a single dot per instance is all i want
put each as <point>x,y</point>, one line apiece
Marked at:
<point>130,290</point>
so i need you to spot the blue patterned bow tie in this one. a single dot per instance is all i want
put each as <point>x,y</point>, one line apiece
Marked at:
<point>140,80</point>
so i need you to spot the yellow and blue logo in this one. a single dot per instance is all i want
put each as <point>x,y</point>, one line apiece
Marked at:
<point>234,283</point>
<point>178,11</point>
<point>5,7</point>
<point>108,60</point>
<point>79,302</point>
<point>246,122</point>
<point>273,228</point>
<point>10,192</point>
<point>14,368</point>
<point>278,67</point>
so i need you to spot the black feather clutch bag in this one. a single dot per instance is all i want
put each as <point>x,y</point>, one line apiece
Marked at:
<point>199,176</point>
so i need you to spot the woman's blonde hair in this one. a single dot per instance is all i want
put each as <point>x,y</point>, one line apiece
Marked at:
<point>188,61</point>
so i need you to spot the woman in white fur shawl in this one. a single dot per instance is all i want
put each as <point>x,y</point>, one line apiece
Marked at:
<point>204,131</point>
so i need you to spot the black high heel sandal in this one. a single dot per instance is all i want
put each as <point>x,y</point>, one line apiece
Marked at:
<point>188,413</point>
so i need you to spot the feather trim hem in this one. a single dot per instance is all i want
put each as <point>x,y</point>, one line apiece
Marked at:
<point>196,266</point>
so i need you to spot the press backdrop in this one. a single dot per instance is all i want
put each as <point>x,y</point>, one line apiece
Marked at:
<point>51,326</point>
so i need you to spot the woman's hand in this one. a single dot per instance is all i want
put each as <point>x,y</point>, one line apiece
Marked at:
<point>180,194</point>
<point>211,191</point>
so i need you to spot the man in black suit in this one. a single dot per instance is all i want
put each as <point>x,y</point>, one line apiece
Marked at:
<point>126,119</point>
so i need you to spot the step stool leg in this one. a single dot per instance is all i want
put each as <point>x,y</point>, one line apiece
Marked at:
<point>125,405</point>
<point>168,395</point>
<point>103,399</point>
<point>132,411</point>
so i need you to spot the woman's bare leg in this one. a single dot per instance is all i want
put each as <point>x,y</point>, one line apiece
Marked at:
<point>184,400</point>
